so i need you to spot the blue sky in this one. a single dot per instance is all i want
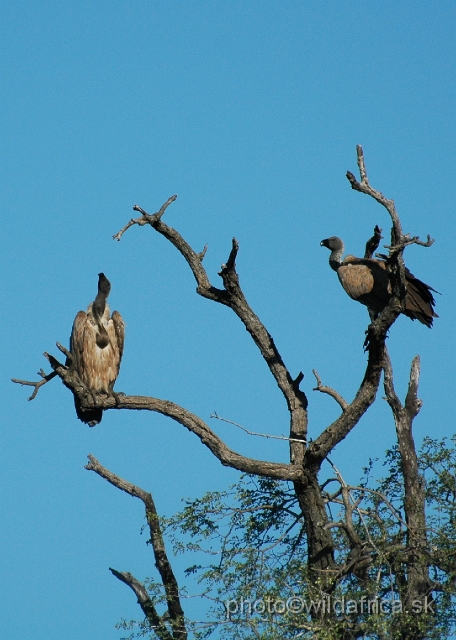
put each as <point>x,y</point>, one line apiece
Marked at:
<point>250,112</point>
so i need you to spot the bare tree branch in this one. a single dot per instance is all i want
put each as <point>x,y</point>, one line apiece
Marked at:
<point>372,243</point>
<point>407,240</point>
<point>190,421</point>
<point>146,218</point>
<point>418,584</point>
<point>175,611</point>
<point>145,603</point>
<point>305,459</point>
<point>193,423</point>
<point>232,296</point>
<point>37,385</point>
<point>251,433</point>
<point>399,241</point>
<point>331,392</point>
<point>364,187</point>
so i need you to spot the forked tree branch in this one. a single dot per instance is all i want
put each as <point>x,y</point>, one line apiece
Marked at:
<point>144,601</point>
<point>407,241</point>
<point>145,217</point>
<point>398,240</point>
<point>175,611</point>
<point>232,296</point>
<point>364,187</point>
<point>418,584</point>
<point>45,378</point>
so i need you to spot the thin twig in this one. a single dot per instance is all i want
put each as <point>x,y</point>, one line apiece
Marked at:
<point>146,218</point>
<point>65,351</point>
<point>393,510</point>
<point>408,241</point>
<point>254,433</point>
<point>37,385</point>
<point>344,484</point>
<point>331,392</point>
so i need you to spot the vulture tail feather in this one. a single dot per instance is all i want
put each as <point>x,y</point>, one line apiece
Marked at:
<point>92,417</point>
<point>419,301</point>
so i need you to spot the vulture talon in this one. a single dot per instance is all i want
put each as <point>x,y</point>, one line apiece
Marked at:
<point>117,395</point>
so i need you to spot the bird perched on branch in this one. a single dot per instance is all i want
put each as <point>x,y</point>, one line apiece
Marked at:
<point>368,282</point>
<point>96,344</point>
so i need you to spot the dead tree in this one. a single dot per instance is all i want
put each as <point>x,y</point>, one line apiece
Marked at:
<point>305,458</point>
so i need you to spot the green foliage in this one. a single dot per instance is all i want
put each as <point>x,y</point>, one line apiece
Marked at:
<point>250,542</point>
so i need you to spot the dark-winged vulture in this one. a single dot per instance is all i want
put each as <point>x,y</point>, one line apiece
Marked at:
<point>96,344</point>
<point>368,282</point>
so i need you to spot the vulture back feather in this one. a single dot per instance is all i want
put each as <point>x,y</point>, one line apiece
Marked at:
<point>368,282</point>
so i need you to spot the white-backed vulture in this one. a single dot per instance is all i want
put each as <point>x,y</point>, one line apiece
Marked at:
<point>96,344</point>
<point>368,282</point>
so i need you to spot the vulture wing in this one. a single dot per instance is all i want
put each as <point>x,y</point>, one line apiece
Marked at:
<point>77,341</point>
<point>78,348</point>
<point>419,301</point>
<point>119,327</point>
<point>366,281</point>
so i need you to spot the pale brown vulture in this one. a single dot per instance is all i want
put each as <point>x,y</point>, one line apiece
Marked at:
<point>368,282</point>
<point>96,344</point>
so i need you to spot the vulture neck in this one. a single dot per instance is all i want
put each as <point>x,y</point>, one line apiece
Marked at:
<point>99,305</point>
<point>335,259</point>
<point>100,313</point>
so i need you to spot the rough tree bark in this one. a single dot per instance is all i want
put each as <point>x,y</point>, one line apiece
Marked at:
<point>418,586</point>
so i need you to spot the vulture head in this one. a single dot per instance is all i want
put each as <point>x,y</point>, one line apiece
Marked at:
<point>99,304</point>
<point>337,248</point>
<point>104,286</point>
